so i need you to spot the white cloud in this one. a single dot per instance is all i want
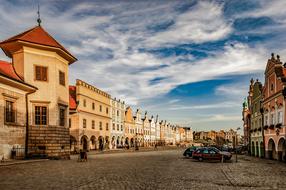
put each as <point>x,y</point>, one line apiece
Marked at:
<point>219,117</point>
<point>233,89</point>
<point>206,106</point>
<point>202,23</point>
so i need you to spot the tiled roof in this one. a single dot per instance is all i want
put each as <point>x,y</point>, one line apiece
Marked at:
<point>72,97</point>
<point>7,70</point>
<point>39,36</point>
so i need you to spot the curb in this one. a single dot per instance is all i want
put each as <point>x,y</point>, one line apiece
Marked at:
<point>21,162</point>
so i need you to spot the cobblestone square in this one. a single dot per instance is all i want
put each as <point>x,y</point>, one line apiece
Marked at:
<point>144,170</point>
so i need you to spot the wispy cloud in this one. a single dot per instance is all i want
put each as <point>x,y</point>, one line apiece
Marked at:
<point>115,42</point>
<point>206,106</point>
<point>218,117</point>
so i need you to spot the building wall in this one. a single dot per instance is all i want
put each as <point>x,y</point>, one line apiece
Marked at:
<point>152,130</point>
<point>12,135</point>
<point>117,128</point>
<point>139,128</point>
<point>274,103</point>
<point>50,93</point>
<point>93,105</point>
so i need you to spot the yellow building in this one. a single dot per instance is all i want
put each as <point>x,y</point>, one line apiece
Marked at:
<point>90,117</point>
<point>41,64</point>
<point>129,124</point>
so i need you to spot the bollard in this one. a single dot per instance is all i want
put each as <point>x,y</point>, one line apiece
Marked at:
<point>221,158</point>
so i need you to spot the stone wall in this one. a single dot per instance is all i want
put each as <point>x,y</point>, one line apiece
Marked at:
<point>12,135</point>
<point>50,142</point>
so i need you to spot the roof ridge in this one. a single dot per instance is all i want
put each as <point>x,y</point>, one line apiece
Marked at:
<point>21,34</point>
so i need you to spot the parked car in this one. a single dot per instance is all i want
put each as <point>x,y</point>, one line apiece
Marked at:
<point>211,153</point>
<point>189,151</point>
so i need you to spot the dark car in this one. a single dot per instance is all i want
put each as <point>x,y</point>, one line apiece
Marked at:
<point>189,151</point>
<point>210,153</point>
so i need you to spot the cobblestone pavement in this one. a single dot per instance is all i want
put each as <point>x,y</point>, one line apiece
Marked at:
<point>144,170</point>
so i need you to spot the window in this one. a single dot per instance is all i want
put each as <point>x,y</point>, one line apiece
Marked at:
<point>93,124</point>
<point>62,116</point>
<point>266,120</point>
<point>117,127</point>
<point>84,103</point>
<point>62,78</point>
<point>93,106</point>
<point>69,122</point>
<point>280,117</point>
<point>113,127</point>
<point>272,87</point>
<point>117,112</point>
<point>106,126</point>
<point>41,73</point>
<point>121,128</point>
<point>212,152</point>
<point>205,151</point>
<point>100,125</point>
<point>84,123</point>
<point>106,110</point>
<point>100,108</point>
<point>9,112</point>
<point>272,119</point>
<point>41,115</point>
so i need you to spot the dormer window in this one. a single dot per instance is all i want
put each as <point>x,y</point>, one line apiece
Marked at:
<point>272,87</point>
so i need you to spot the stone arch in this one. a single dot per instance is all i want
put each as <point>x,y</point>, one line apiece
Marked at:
<point>100,143</point>
<point>93,142</point>
<point>73,144</point>
<point>84,143</point>
<point>271,149</point>
<point>122,141</point>
<point>252,148</point>
<point>126,142</point>
<point>107,142</point>
<point>256,149</point>
<point>117,141</point>
<point>282,149</point>
<point>132,142</point>
<point>262,150</point>
<point>113,142</point>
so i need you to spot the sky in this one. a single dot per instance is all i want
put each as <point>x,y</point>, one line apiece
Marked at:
<point>190,62</point>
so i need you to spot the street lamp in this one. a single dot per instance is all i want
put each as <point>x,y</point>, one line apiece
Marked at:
<point>236,144</point>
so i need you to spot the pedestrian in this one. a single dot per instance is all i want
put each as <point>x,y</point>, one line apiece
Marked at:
<point>155,148</point>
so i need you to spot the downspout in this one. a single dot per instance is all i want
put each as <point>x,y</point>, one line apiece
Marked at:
<point>27,112</point>
<point>27,124</point>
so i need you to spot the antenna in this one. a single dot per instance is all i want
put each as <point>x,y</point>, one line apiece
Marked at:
<point>39,16</point>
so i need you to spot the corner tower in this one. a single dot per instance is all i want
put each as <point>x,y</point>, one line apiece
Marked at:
<point>39,60</point>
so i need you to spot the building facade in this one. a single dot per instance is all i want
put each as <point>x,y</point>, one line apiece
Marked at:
<point>256,129</point>
<point>117,129</point>
<point>40,61</point>
<point>90,117</point>
<point>274,109</point>
<point>130,132</point>
<point>139,136</point>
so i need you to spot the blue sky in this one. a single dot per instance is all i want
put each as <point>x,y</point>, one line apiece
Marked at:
<point>190,62</point>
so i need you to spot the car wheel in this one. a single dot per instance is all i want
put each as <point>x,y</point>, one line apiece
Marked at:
<point>200,159</point>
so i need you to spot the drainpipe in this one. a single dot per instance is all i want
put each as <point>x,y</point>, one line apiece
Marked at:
<point>262,127</point>
<point>27,124</point>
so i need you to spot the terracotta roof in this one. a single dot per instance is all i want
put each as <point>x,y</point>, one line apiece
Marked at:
<point>72,98</point>
<point>8,70</point>
<point>39,36</point>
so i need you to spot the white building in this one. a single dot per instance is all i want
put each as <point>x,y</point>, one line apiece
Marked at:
<point>117,129</point>
<point>139,128</point>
